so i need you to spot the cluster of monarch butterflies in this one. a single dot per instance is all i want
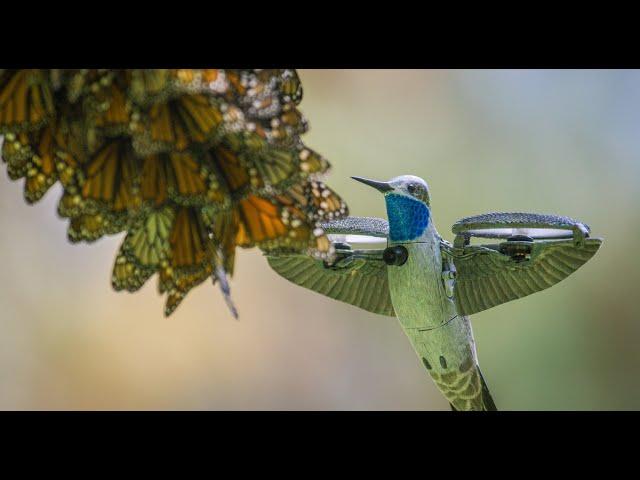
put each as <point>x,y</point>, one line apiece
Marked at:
<point>189,163</point>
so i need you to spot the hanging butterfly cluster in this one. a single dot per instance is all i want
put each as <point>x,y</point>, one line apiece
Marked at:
<point>190,163</point>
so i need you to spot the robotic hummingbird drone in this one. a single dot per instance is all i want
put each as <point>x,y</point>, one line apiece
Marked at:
<point>432,286</point>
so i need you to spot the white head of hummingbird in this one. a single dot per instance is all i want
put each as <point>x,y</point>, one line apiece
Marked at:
<point>408,207</point>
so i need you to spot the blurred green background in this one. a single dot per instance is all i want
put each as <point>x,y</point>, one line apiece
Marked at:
<point>565,142</point>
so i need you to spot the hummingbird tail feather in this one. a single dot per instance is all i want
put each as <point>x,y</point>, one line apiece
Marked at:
<point>487,399</point>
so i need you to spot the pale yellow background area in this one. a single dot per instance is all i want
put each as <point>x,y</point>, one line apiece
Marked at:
<point>565,142</point>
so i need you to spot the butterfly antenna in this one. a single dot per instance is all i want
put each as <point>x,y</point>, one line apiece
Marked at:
<point>221,276</point>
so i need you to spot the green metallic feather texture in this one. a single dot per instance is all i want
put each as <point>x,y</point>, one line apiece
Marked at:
<point>359,282</point>
<point>486,278</point>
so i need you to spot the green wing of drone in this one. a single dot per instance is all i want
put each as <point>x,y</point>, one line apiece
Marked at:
<point>357,277</point>
<point>540,251</point>
<point>537,252</point>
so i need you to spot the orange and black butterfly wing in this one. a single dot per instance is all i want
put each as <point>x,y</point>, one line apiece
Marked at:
<point>26,100</point>
<point>290,221</point>
<point>103,196</point>
<point>191,260</point>
<point>190,163</point>
<point>32,156</point>
<point>178,124</point>
<point>184,177</point>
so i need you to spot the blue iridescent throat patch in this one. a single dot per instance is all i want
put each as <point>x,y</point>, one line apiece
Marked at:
<point>408,218</point>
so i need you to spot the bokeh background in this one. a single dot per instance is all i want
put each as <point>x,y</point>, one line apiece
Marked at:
<point>565,142</point>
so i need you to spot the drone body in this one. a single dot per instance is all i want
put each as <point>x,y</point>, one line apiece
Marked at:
<point>432,286</point>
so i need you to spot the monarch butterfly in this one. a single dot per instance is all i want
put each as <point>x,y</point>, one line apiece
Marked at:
<point>178,123</point>
<point>191,164</point>
<point>26,101</point>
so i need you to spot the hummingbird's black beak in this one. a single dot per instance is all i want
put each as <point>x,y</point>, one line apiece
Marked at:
<point>380,186</point>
